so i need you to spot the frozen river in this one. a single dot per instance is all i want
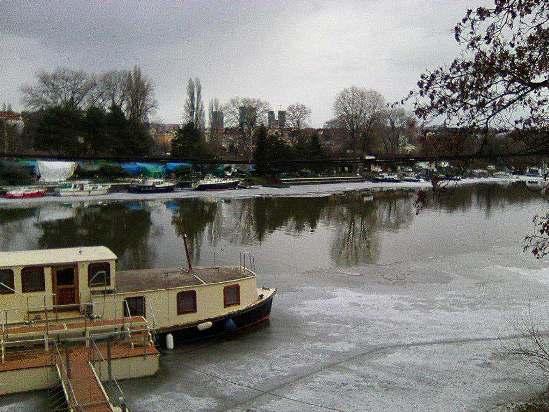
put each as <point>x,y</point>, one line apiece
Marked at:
<point>379,306</point>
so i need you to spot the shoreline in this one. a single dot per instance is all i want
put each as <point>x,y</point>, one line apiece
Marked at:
<point>303,190</point>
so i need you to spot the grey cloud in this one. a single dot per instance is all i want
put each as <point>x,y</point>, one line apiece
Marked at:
<point>282,51</point>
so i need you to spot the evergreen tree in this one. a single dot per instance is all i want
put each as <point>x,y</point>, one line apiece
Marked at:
<point>118,131</point>
<point>261,155</point>
<point>95,126</point>
<point>189,143</point>
<point>316,151</point>
<point>60,129</point>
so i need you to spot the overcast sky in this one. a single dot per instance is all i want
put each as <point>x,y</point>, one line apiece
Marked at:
<point>280,51</point>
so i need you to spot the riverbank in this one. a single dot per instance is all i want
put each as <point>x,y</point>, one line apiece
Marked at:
<point>302,190</point>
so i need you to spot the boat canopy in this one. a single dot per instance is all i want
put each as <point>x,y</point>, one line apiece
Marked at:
<point>53,172</point>
<point>56,256</point>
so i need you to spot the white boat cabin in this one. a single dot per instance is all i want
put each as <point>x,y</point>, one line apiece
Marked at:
<point>35,280</point>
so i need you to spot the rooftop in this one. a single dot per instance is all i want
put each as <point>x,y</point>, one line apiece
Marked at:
<point>55,256</point>
<point>147,279</point>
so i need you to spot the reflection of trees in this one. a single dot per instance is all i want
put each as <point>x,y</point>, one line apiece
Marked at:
<point>14,221</point>
<point>124,230</point>
<point>355,238</point>
<point>486,197</point>
<point>295,213</point>
<point>194,217</point>
<point>359,220</point>
<point>16,214</point>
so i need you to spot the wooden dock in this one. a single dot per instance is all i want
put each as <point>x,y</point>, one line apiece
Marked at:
<point>81,356</point>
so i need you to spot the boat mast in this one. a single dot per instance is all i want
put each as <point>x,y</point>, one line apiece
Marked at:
<point>189,263</point>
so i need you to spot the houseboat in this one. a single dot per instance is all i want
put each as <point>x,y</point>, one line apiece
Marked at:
<point>193,302</point>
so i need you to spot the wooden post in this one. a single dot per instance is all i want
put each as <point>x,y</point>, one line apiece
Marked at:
<point>189,263</point>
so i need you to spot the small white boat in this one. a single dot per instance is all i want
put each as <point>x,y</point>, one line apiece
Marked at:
<point>82,189</point>
<point>536,183</point>
<point>216,183</point>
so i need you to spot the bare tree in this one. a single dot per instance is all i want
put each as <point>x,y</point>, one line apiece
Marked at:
<point>399,128</point>
<point>255,114</point>
<point>111,89</point>
<point>246,113</point>
<point>194,106</point>
<point>502,74</point>
<point>358,110</point>
<point>538,241</point>
<point>297,115</point>
<point>62,87</point>
<point>140,101</point>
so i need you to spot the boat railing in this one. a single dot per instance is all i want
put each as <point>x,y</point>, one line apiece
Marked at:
<point>247,262</point>
<point>98,363</point>
<point>63,369</point>
<point>127,315</point>
<point>152,330</point>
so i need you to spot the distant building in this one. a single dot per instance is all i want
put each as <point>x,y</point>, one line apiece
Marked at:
<point>281,119</point>
<point>271,120</point>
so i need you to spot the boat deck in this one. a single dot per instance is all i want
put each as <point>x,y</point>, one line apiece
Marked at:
<point>55,327</point>
<point>147,279</point>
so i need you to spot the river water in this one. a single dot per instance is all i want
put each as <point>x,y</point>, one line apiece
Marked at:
<point>380,304</point>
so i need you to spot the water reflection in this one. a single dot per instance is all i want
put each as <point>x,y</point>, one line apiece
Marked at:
<point>144,234</point>
<point>123,228</point>
<point>194,217</point>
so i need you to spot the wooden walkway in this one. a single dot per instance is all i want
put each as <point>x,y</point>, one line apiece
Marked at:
<point>85,391</point>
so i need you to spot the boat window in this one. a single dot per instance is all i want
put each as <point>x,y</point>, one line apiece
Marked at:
<point>65,277</point>
<point>6,281</point>
<point>186,302</point>
<point>99,274</point>
<point>136,306</point>
<point>231,295</point>
<point>32,279</point>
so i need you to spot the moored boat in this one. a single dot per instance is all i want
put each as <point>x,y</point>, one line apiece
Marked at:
<point>25,193</point>
<point>82,189</point>
<point>191,302</point>
<point>216,183</point>
<point>151,186</point>
<point>387,178</point>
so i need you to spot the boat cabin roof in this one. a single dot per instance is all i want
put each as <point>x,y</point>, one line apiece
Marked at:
<point>147,279</point>
<point>55,256</point>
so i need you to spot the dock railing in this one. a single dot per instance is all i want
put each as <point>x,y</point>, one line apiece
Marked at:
<point>62,364</point>
<point>111,387</point>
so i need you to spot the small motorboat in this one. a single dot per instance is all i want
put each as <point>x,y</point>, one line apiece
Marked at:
<point>82,189</point>
<point>536,184</point>
<point>387,178</point>
<point>25,193</point>
<point>151,186</point>
<point>409,177</point>
<point>216,183</point>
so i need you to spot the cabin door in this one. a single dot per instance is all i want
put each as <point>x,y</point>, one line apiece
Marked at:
<point>65,285</point>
